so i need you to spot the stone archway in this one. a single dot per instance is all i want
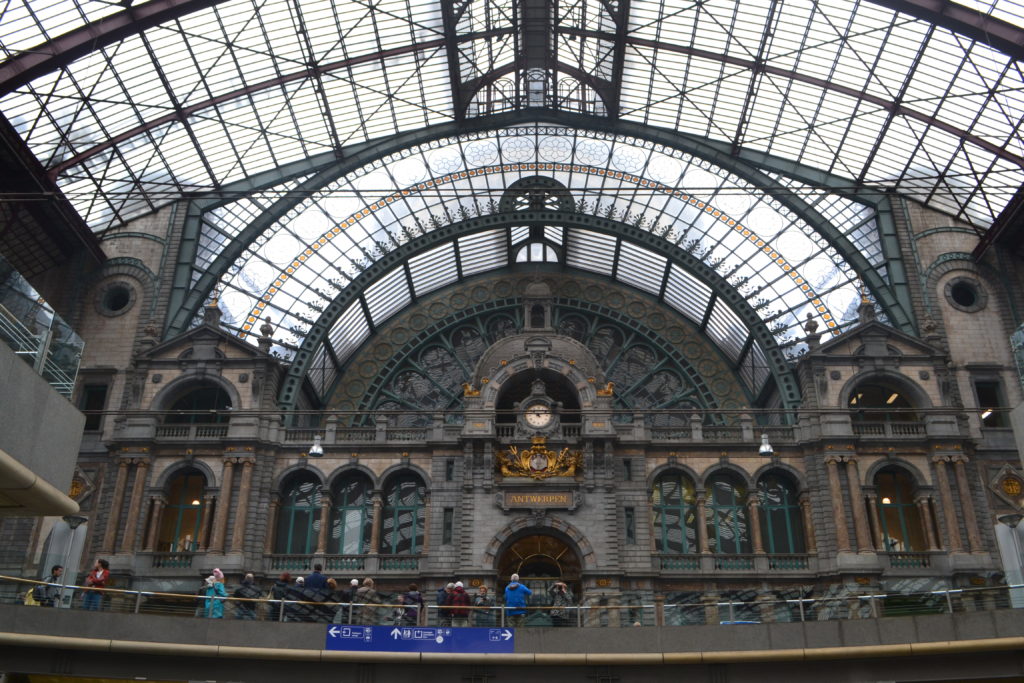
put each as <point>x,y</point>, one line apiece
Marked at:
<point>540,558</point>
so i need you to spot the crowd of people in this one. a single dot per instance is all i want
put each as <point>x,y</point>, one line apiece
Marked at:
<point>318,598</point>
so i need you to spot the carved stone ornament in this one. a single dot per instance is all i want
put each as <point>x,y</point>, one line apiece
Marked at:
<point>538,461</point>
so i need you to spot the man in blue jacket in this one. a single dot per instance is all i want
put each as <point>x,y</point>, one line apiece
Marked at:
<point>515,601</point>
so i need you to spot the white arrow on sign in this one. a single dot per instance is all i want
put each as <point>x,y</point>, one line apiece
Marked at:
<point>395,633</point>
<point>506,634</point>
<point>333,631</point>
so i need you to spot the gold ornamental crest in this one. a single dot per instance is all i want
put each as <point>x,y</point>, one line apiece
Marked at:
<point>538,461</point>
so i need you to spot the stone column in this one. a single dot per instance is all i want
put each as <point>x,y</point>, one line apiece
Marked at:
<point>110,533</point>
<point>876,522</point>
<point>838,514</point>
<point>268,541</point>
<point>220,520</point>
<point>754,505</point>
<point>154,525</point>
<point>970,519</point>
<point>325,520</point>
<point>131,523</point>
<point>378,507</point>
<point>860,518</point>
<point>925,513</point>
<point>242,513</point>
<point>805,509</point>
<point>203,542</point>
<point>702,525</point>
<point>955,544</point>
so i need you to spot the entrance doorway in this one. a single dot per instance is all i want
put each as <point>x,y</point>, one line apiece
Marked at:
<point>541,560</point>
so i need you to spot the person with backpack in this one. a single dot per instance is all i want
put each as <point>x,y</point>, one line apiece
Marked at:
<point>48,594</point>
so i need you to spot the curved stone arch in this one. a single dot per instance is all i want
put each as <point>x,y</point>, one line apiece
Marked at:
<point>728,468</point>
<point>868,478</point>
<point>952,262</point>
<point>174,468</point>
<point>180,385</point>
<point>323,169</point>
<point>798,477</point>
<point>554,526</point>
<point>404,468</point>
<point>755,325</point>
<point>672,468</point>
<point>587,391</point>
<point>289,472</point>
<point>919,396</point>
<point>351,468</point>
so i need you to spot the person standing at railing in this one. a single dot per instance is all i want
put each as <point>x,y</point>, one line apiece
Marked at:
<point>48,594</point>
<point>483,614</point>
<point>561,600</point>
<point>247,591</point>
<point>366,597</point>
<point>215,592</point>
<point>96,578</point>
<point>515,601</point>
<point>459,601</point>
<point>412,600</point>
<point>278,592</point>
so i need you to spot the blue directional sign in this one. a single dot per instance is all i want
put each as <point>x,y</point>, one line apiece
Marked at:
<point>419,639</point>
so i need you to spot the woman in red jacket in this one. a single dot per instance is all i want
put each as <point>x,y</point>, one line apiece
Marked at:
<point>96,578</point>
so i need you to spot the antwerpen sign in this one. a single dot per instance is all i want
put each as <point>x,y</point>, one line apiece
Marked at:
<point>539,499</point>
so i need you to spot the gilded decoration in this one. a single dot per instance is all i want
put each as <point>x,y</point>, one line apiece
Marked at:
<point>538,461</point>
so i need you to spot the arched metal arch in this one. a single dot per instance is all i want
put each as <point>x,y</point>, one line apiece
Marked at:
<point>186,299</point>
<point>788,386</point>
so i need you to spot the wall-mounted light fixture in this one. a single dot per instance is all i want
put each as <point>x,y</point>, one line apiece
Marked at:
<point>766,449</point>
<point>316,450</point>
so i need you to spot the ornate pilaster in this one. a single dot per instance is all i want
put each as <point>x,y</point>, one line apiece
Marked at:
<point>702,524</point>
<point>110,533</point>
<point>754,505</point>
<point>876,522</point>
<point>805,510</point>
<point>242,511</point>
<point>275,505</point>
<point>925,513</point>
<point>204,530</point>
<point>154,524</point>
<point>860,519</point>
<point>220,519</point>
<point>970,519</point>
<point>426,523</point>
<point>838,513</point>
<point>131,523</point>
<point>378,507</point>
<point>955,544</point>
<point>325,520</point>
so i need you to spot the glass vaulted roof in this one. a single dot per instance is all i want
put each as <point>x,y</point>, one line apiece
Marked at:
<point>196,100</point>
<point>783,267</point>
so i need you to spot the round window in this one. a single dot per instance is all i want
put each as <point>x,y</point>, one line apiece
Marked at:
<point>115,298</point>
<point>965,294</point>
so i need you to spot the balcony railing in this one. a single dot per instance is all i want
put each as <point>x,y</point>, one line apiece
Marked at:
<point>344,563</point>
<point>688,563</point>
<point>734,562</point>
<point>889,429</point>
<point>182,560</point>
<point>909,560</point>
<point>782,563</point>
<point>31,328</point>
<point>193,432</point>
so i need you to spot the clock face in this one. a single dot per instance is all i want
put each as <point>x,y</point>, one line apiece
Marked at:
<point>538,415</point>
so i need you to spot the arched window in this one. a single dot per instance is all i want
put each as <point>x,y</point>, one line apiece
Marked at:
<point>351,522</point>
<point>728,529</point>
<point>881,402</point>
<point>674,501</point>
<point>782,529</point>
<point>902,530</point>
<point>183,517</point>
<point>204,404</point>
<point>402,523</point>
<point>298,522</point>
